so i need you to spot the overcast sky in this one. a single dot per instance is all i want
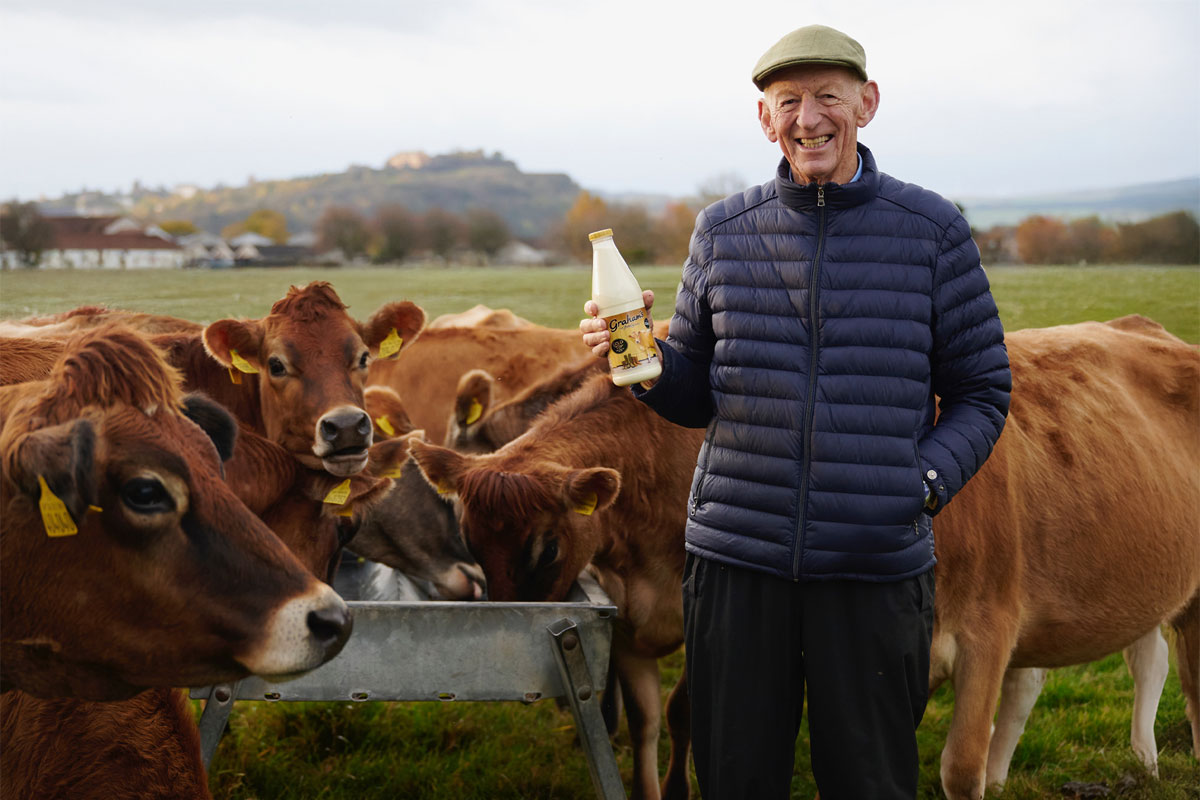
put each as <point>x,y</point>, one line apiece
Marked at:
<point>978,98</point>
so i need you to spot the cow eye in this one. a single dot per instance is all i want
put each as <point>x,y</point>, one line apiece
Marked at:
<point>549,554</point>
<point>364,359</point>
<point>147,496</point>
<point>278,370</point>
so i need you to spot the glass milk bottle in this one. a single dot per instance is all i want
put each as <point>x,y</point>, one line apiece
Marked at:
<point>632,354</point>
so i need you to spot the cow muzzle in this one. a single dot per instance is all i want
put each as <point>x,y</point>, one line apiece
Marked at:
<point>302,634</point>
<point>342,439</point>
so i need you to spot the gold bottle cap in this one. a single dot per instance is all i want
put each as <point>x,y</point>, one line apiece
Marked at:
<point>607,232</point>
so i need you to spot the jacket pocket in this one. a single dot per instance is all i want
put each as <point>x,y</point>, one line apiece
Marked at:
<point>695,498</point>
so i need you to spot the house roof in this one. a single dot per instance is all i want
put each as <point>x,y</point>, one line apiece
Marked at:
<point>88,233</point>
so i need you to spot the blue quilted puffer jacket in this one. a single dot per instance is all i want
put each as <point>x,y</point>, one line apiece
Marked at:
<point>813,328</point>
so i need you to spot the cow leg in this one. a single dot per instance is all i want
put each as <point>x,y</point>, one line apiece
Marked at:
<point>643,711</point>
<point>1187,656</point>
<point>679,726</point>
<point>1018,693</point>
<point>610,705</point>
<point>1147,662</point>
<point>978,673</point>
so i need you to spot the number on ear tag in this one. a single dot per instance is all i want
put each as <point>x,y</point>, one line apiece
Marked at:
<point>242,364</point>
<point>385,425</point>
<point>474,412</point>
<point>339,494</point>
<point>390,346</point>
<point>587,506</point>
<point>55,516</point>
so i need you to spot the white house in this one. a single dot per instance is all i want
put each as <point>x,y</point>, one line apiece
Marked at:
<point>108,242</point>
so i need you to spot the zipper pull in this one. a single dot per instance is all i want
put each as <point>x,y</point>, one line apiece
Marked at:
<point>820,197</point>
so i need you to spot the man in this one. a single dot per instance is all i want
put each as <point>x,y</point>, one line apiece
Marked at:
<point>818,316</point>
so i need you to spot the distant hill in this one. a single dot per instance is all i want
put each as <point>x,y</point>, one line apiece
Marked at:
<point>457,182</point>
<point>1121,204</point>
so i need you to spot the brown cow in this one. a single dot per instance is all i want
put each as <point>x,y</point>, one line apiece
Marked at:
<point>102,448</point>
<point>538,510</point>
<point>480,425</point>
<point>427,377</point>
<point>1080,535</point>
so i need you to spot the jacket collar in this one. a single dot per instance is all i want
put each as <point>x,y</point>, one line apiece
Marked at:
<point>804,197</point>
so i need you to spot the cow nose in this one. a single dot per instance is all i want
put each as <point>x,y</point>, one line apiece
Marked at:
<point>339,423</point>
<point>330,627</point>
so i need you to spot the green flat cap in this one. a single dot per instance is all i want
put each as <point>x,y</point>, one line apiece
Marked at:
<point>813,44</point>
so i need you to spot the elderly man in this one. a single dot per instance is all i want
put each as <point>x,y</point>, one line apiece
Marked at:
<point>820,318</point>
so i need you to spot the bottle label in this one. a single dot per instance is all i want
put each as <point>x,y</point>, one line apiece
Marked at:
<point>630,341</point>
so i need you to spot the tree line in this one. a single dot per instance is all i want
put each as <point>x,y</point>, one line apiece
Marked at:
<point>394,234</point>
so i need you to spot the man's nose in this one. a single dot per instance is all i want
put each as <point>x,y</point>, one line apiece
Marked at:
<point>809,114</point>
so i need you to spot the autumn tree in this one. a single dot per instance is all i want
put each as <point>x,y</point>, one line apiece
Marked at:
<point>264,222</point>
<point>179,227</point>
<point>1167,239</point>
<point>397,233</point>
<point>1043,240</point>
<point>487,232</point>
<point>588,213</point>
<point>25,230</point>
<point>1091,240</point>
<point>635,234</point>
<point>344,229</point>
<point>673,231</point>
<point>443,231</point>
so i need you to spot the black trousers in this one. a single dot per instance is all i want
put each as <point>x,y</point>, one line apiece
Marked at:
<point>756,642</point>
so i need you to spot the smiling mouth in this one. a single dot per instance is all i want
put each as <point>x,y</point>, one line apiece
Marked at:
<point>814,144</point>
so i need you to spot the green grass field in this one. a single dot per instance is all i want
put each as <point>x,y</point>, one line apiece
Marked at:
<point>1079,730</point>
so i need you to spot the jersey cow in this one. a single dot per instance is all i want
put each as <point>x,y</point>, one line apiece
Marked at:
<point>1078,538</point>
<point>114,510</point>
<point>599,478</point>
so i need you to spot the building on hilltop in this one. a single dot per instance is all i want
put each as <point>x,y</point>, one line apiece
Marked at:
<point>410,159</point>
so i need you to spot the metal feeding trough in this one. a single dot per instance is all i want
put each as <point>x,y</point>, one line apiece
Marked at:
<point>458,651</point>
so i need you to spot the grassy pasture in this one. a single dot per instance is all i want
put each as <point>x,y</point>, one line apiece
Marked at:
<point>1079,730</point>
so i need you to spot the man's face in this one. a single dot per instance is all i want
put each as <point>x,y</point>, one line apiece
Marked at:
<point>814,113</point>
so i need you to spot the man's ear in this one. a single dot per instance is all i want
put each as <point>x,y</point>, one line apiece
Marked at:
<point>474,397</point>
<point>64,456</point>
<point>441,467</point>
<point>591,490</point>
<point>225,336</point>
<point>869,99</point>
<point>764,119</point>
<point>406,319</point>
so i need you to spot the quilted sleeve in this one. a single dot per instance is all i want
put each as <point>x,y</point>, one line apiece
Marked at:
<point>969,367</point>
<point>682,394</point>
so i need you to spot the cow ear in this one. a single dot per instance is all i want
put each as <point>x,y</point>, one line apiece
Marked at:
<point>235,343</point>
<point>385,457</point>
<point>473,398</point>
<point>64,457</point>
<point>386,410</point>
<point>214,420</point>
<point>403,321</point>
<point>441,467</point>
<point>591,490</point>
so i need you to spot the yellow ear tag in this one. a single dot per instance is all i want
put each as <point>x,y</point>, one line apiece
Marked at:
<point>235,376</point>
<point>348,511</point>
<point>385,425</point>
<point>393,472</point>
<point>55,516</point>
<point>390,346</point>
<point>339,494</point>
<point>444,488</point>
<point>97,509</point>
<point>587,506</point>
<point>242,364</point>
<point>474,412</point>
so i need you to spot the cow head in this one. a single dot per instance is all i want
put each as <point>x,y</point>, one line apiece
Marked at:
<point>311,360</point>
<point>532,527</point>
<point>128,561</point>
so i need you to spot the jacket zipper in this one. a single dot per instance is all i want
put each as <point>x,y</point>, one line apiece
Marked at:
<point>696,500</point>
<point>814,320</point>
